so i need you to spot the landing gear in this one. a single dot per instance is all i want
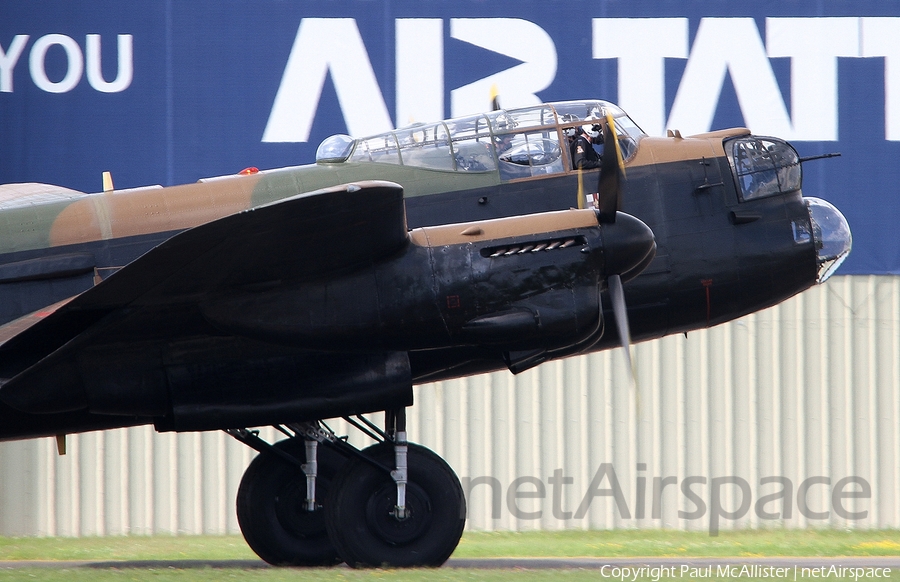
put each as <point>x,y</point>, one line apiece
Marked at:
<point>393,504</point>
<point>272,507</point>
<point>364,520</point>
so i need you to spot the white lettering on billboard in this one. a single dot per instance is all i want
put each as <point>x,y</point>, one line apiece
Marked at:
<point>518,85</point>
<point>880,39</point>
<point>37,62</point>
<point>813,45</point>
<point>723,48</point>
<point>75,63</point>
<point>420,69</point>
<point>8,60</point>
<point>733,46</point>
<point>323,46</point>
<point>125,71</point>
<point>642,74</point>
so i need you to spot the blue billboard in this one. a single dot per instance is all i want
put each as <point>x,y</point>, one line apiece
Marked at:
<point>169,92</point>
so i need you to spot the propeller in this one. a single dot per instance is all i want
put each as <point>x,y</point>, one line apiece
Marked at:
<point>495,98</point>
<point>612,174</point>
<point>620,310</point>
<point>609,203</point>
<point>629,247</point>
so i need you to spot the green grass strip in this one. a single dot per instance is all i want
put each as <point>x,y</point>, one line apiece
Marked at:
<point>567,543</point>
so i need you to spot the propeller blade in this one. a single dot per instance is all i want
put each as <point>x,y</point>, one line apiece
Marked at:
<point>581,200</point>
<point>617,295</point>
<point>495,98</point>
<point>612,126</point>
<point>612,173</point>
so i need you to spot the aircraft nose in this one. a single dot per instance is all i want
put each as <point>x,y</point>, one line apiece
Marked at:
<point>628,246</point>
<point>831,235</point>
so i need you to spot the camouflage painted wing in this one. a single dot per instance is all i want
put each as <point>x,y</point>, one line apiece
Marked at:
<point>306,236</point>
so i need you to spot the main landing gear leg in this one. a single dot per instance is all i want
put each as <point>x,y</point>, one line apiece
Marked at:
<point>281,496</point>
<point>401,506</point>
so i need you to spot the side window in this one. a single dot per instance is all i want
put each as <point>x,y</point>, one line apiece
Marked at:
<point>473,155</point>
<point>764,167</point>
<point>524,155</point>
<point>382,149</point>
<point>472,144</point>
<point>425,146</point>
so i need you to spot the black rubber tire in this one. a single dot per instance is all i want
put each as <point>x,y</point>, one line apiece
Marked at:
<point>270,507</point>
<point>366,534</point>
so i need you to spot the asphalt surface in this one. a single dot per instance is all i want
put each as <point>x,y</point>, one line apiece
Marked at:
<point>892,562</point>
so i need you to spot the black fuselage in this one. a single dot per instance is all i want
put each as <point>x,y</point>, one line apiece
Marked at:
<point>717,258</point>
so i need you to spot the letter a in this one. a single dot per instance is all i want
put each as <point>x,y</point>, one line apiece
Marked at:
<point>729,45</point>
<point>326,45</point>
<point>605,470</point>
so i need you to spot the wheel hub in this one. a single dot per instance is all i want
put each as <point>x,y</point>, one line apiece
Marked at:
<point>290,509</point>
<point>381,514</point>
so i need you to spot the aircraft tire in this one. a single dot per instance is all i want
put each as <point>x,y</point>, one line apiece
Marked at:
<point>270,508</point>
<point>367,534</point>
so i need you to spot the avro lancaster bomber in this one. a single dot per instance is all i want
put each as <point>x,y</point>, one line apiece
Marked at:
<point>290,296</point>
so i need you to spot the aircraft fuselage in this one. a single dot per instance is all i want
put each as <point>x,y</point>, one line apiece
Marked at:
<point>720,253</point>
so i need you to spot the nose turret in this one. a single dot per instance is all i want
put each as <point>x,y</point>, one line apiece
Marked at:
<point>831,235</point>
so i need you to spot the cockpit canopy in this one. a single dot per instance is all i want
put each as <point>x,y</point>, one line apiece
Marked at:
<point>520,143</point>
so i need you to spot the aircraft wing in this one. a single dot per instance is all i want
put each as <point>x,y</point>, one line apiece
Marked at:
<point>15,327</point>
<point>306,236</point>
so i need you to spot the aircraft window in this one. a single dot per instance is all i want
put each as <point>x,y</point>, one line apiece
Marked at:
<point>468,143</point>
<point>764,167</point>
<point>471,138</point>
<point>381,148</point>
<point>425,146</point>
<point>334,149</point>
<point>627,143</point>
<point>522,155</point>
<point>579,110</point>
<point>473,155</point>
<point>475,127</point>
<point>579,113</point>
<point>502,121</point>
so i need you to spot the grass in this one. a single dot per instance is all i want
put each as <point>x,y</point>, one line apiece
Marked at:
<point>292,575</point>
<point>568,543</point>
<point>632,543</point>
<point>159,547</point>
<point>612,544</point>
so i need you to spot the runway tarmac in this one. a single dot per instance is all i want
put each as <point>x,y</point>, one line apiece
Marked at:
<point>892,562</point>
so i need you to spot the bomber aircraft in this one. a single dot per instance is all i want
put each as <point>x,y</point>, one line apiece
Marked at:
<point>290,296</point>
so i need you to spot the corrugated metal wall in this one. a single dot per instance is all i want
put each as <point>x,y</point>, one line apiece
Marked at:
<point>807,393</point>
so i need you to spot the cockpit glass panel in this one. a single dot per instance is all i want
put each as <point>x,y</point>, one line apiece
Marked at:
<point>474,155</point>
<point>524,155</point>
<point>425,146</point>
<point>526,141</point>
<point>519,119</point>
<point>471,137</point>
<point>578,110</point>
<point>474,127</point>
<point>585,113</point>
<point>627,143</point>
<point>764,167</point>
<point>335,148</point>
<point>381,148</point>
<point>627,126</point>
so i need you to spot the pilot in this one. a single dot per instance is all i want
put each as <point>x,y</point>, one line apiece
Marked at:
<point>503,140</point>
<point>584,156</point>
